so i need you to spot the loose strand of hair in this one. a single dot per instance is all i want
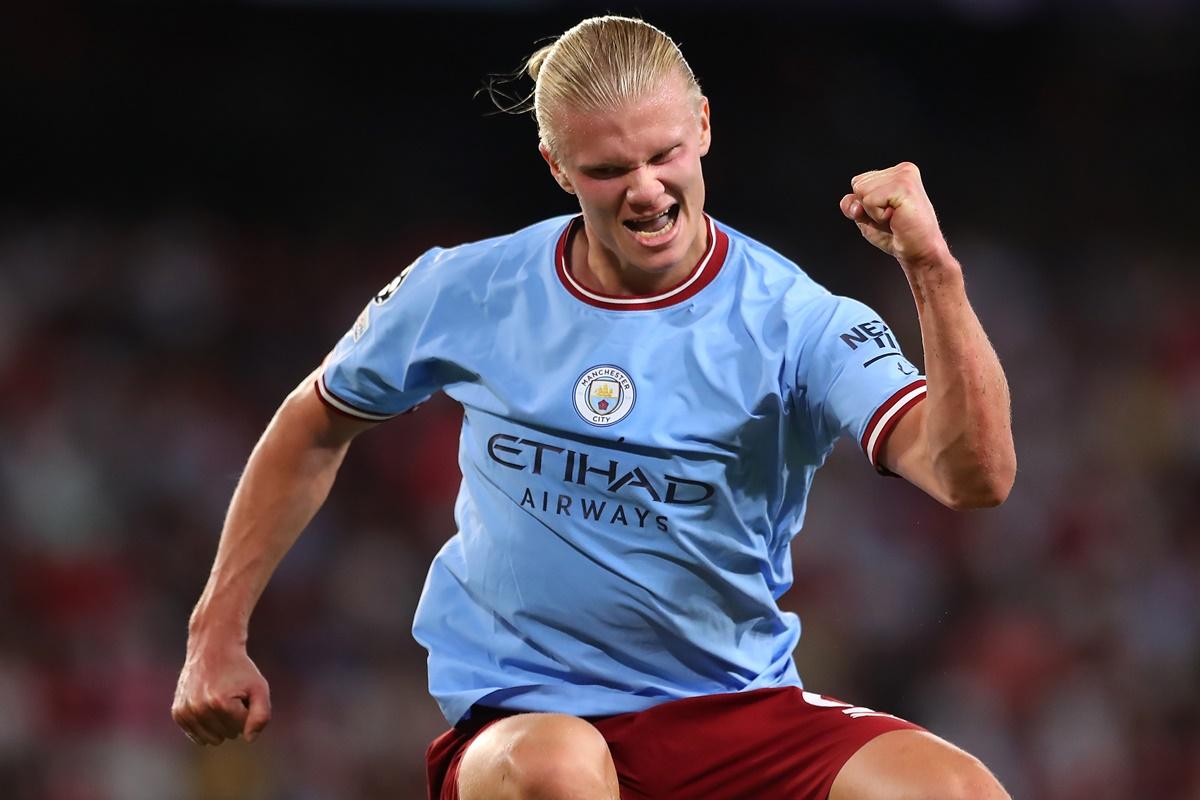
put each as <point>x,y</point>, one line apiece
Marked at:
<point>498,88</point>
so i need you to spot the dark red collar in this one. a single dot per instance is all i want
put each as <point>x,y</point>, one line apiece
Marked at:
<point>701,275</point>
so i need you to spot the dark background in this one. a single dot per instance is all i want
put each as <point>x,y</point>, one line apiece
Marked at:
<point>195,202</point>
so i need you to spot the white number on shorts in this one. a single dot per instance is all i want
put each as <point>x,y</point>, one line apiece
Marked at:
<point>854,712</point>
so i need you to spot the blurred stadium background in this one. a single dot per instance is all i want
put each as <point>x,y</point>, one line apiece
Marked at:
<point>196,200</point>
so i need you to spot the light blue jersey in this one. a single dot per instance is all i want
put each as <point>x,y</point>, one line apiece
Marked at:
<point>634,469</point>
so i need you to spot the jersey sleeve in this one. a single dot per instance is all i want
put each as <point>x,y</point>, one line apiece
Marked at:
<point>387,363</point>
<point>853,376</point>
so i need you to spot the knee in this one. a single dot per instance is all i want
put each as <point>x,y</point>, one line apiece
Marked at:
<point>538,757</point>
<point>557,760</point>
<point>966,778</point>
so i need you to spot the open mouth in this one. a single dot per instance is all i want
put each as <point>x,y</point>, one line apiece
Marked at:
<point>655,226</point>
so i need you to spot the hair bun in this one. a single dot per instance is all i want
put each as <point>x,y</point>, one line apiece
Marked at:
<point>534,66</point>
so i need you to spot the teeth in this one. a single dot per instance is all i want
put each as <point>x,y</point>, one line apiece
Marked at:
<point>670,223</point>
<point>665,221</point>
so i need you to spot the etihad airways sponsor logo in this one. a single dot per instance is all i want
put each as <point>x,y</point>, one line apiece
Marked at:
<point>609,511</point>
<point>584,469</point>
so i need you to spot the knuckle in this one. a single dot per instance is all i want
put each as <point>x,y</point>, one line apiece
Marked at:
<point>218,707</point>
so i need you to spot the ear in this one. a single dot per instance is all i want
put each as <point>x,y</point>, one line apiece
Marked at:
<point>556,170</point>
<point>705,127</point>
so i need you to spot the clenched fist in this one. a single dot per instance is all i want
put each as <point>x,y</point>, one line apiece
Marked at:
<point>221,694</point>
<point>893,213</point>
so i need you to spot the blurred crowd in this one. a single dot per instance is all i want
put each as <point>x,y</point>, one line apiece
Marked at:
<point>143,350</point>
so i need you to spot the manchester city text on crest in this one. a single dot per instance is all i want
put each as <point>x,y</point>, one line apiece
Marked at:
<point>604,395</point>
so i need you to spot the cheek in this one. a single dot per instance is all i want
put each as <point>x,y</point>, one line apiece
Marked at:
<point>600,194</point>
<point>684,177</point>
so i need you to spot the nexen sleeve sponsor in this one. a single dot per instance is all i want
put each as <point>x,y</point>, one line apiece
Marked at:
<point>850,366</point>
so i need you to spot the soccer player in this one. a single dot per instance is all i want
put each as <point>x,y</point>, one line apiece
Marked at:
<point>647,395</point>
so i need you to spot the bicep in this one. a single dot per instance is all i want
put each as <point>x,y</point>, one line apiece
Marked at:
<point>305,416</point>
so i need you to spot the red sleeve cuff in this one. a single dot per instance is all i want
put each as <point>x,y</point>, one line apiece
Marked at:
<point>342,407</point>
<point>885,418</point>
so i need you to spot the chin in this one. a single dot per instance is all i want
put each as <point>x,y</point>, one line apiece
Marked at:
<point>664,261</point>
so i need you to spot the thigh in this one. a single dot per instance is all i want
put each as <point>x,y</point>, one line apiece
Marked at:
<point>904,764</point>
<point>771,743</point>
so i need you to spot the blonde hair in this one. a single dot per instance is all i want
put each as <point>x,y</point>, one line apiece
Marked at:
<point>600,64</point>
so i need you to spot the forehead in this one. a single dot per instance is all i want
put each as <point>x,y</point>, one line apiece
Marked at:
<point>634,131</point>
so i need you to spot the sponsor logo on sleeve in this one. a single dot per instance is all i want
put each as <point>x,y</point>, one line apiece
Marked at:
<point>876,337</point>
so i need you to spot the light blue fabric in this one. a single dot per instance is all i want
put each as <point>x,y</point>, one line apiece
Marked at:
<point>604,568</point>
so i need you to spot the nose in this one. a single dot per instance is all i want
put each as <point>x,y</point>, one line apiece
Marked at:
<point>644,187</point>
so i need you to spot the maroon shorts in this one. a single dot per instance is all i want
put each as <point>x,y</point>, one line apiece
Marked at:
<point>769,743</point>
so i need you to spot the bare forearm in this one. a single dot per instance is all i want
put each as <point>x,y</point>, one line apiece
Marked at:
<point>967,427</point>
<point>221,694</point>
<point>287,478</point>
<point>957,445</point>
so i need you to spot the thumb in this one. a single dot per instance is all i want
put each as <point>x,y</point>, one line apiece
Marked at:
<point>880,215</point>
<point>850,206</point>
<point>855,208</point>
<point>259,703</point>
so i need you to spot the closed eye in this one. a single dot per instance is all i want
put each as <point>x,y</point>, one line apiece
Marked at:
<point>604,173</point>
<point>665,155</point>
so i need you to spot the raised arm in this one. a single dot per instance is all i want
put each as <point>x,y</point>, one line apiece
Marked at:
<point>956,445</point>
<point>221,694</point>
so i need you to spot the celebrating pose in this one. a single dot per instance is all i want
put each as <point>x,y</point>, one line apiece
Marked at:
<point>647,395</point>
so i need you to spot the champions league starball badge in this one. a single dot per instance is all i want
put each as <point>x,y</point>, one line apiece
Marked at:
<point>604,395</point>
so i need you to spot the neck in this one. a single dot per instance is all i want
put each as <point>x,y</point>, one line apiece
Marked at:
<point>600,270</point>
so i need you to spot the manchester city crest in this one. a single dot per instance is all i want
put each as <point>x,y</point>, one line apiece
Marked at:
<point>604,395</point>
